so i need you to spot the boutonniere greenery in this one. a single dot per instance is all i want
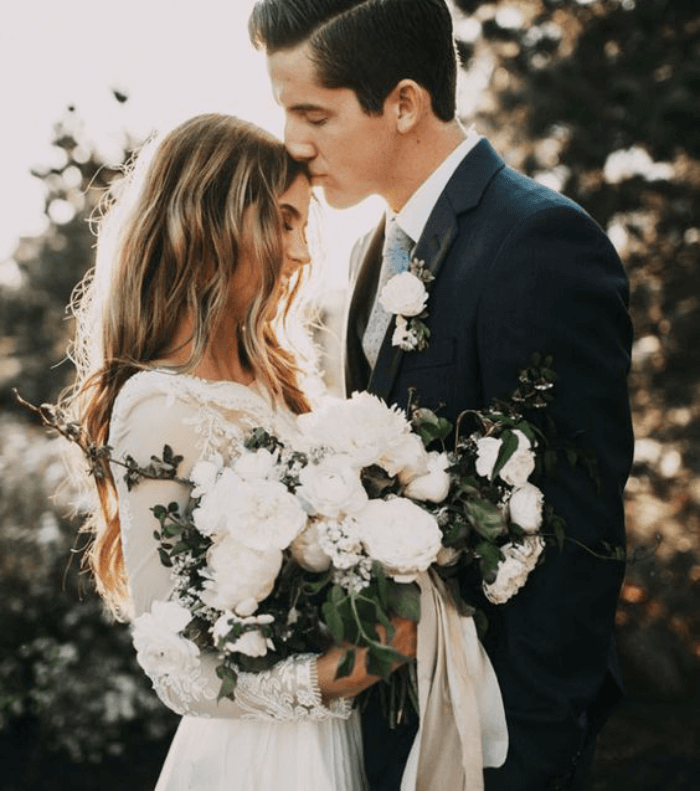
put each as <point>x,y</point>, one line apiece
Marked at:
<point>406,295</point>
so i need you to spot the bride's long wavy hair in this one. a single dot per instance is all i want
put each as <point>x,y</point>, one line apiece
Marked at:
<point>168,245</point>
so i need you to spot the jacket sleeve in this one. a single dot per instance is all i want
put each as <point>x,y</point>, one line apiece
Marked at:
<point>557,287</point>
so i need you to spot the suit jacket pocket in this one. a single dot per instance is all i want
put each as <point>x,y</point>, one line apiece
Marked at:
<point>439,353</point>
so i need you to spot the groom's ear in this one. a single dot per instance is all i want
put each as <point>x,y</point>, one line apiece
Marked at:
<point>408,102</point>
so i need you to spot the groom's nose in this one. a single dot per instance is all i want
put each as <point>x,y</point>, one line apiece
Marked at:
<point>298,144</point>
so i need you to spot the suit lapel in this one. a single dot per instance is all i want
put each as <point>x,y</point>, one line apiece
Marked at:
<point>462,193</point>
<point>368,258</point>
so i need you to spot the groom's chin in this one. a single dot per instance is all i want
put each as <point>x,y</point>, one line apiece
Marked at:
<point>337,199</point>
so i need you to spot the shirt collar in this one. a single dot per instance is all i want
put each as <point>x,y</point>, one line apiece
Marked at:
<point>414,216</point>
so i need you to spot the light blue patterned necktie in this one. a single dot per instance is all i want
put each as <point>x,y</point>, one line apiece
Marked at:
<point>395,252</point>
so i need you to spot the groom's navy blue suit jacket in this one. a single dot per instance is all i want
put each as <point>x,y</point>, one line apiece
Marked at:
<point>521,269</point>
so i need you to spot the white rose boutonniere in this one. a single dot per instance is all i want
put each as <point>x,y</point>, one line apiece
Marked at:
<point>406,295</point>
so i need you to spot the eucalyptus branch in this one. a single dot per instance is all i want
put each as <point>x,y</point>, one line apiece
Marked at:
<point>51,416</point>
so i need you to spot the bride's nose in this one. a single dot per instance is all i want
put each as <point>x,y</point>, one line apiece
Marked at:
<point>298,250</point>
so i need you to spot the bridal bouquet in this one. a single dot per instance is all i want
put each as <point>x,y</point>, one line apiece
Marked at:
<point>286,549</point>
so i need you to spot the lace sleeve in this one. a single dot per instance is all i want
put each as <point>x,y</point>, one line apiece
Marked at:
<point>146,417</point>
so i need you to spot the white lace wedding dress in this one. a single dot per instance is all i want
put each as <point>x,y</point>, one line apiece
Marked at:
<point>276,735</point>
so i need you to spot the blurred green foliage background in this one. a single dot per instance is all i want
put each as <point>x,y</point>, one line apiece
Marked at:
<point>597,98</point>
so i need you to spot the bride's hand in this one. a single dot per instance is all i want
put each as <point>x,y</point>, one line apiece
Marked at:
<point>404,641</point>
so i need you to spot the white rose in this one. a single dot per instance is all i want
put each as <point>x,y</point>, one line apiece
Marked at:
<point>434,486</point>
<point>519,560</point>
<point>307,551</point>
<point>160,650</point>
<point>487,450</point>
<point>404,295</point>
<point>236,573</point>
<point>402,536</point>
<point>332,486</point>
<point>525,507</point>
<point>363,427</point>
<point>255,465</point>
<point>521,464</point>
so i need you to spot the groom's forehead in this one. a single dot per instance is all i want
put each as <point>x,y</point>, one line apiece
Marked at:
<point>295,83</point>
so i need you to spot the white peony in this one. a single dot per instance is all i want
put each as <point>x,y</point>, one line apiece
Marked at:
<point>402,536</point>
<point>516,470</point>
<point>160,650</point>
<point>332,486</point>
<point>255,465</point>
<point>519,560</point>
<point>204,474</point>
<point>362,427</point>
<point>521,464</point>
<point>404,295</point>
<point>525,507</point>
<point>260,514</point>
<point>435,485</point>
<point>407,458</point>
<point>236,573</point>
<point>211,515</point>
<point>307,550</point>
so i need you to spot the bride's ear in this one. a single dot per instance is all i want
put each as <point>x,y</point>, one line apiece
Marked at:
<point>408,102</point>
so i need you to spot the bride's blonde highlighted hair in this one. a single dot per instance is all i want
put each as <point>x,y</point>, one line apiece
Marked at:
<point>168,246</point>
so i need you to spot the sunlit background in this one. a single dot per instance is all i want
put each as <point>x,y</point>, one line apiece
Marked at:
<point>169,60</point>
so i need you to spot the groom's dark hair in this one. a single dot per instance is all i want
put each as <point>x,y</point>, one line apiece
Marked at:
<point>367,45</point>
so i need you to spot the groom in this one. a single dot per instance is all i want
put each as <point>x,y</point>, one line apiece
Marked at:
<point>368,89</point>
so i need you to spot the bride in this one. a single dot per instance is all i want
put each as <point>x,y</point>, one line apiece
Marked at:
<point>183,338</point>
<point>200,255</point>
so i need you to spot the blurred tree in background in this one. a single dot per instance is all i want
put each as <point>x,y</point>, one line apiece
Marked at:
<point>73,702</point>
<point>600,99</point>
<point>597,98</point>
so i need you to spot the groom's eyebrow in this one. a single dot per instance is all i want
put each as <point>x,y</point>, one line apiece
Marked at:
<point>307,108</point>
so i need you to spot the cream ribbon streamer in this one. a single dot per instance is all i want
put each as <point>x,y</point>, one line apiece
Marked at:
<point>462,721</point>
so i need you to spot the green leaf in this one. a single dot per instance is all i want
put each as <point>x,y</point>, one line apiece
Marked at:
<point>164,558</point>
<point>382,586</point>
<point>158,511</point>
<point>173,507</point>
<point>346,665</point>
<point>228,681</point>
<point>333,621</point>
<point>508,447</point>
<point>489,556</point>
<point>486,518</point>
<point>404,600</point>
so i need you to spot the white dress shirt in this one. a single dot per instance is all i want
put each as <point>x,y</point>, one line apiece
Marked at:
<point>413,217</point>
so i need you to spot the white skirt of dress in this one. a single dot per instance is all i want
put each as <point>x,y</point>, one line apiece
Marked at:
<point>262,755</point>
